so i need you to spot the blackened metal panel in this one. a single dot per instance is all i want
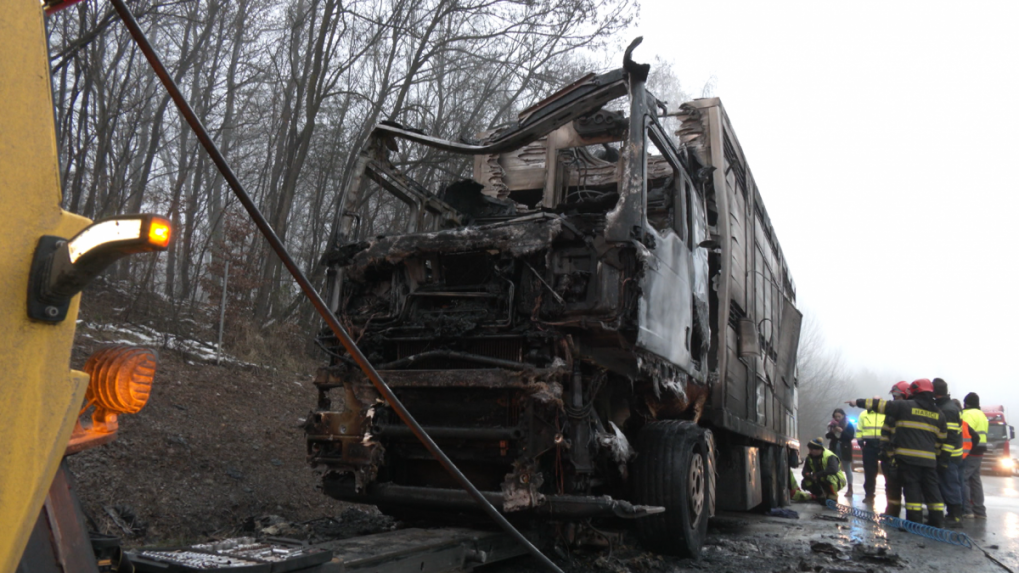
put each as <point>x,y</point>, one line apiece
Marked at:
<point>736,376</point>
<point>624,221</point>
<point>749,399</point>
<point>666,320</point>
<point>39,555</point>
<point>60,540</point>
<point>788,342</point>
<point>739,476</point>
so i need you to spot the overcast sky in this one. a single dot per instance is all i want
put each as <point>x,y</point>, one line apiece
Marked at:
<point>884,137</point>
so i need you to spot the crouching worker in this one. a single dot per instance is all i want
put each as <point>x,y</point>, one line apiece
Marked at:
<point>822,472</point>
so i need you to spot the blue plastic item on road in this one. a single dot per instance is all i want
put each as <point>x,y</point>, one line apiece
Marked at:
<point>782,512</point>
<point>937,534</point>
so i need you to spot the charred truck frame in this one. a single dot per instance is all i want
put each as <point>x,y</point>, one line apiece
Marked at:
<point>596,326</point>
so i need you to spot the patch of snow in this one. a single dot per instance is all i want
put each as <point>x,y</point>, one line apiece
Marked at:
<point>142,335</point>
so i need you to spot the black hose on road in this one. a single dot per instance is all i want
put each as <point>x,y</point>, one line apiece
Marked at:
<point>316,300</point>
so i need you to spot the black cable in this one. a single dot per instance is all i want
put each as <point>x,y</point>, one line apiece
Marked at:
<point>316,300</point>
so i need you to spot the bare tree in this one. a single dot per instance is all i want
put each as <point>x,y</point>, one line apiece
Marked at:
<point>825,382</point>
<point>290,89</point>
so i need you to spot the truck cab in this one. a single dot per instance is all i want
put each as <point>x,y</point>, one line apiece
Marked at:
<point>594,320</point>
<point>998,457</point>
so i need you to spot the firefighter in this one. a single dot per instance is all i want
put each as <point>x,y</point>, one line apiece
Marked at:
<point>974,445</point>
<point>950,461</point>
<point>920,432</point>
<point>893,485</point>
<point>868,435</point>
<point>822,472</point>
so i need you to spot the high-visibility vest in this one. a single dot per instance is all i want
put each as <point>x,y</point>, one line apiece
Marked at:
<point>869,426</point>
<point>977,422</point>
<point>967,441</point>
<point>838,480</point>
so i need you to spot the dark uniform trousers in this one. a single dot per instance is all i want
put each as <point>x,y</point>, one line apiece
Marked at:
<point>893,488</point>
<point>916,437</point>
<point>871,452</point>
<point>920,484</point>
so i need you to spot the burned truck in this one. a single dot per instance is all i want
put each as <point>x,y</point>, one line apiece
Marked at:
<point>598,326</point>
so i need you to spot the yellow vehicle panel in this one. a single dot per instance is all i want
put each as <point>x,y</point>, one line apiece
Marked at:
<point>39,395</point>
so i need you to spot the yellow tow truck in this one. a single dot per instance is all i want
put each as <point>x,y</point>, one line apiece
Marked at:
<point>47,256</point>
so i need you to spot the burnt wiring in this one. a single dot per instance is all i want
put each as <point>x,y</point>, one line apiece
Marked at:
<point>586,410</point>
<point>549,287</point>
<point>581,193</point>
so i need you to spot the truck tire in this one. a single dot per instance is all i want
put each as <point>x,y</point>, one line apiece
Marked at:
<point>672,471</point>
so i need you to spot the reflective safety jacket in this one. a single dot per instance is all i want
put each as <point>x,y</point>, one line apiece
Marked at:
<point>869,426</point>
<point>920,429</point>
<point>953,421</point>
<point>976,445</point>
<point>828,468</point>
<point>887,437</point>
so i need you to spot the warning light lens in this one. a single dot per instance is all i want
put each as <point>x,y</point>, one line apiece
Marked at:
<point>159,232</point>
<point>102,233</point>
<point>120,381</point>
<point>121,378</point>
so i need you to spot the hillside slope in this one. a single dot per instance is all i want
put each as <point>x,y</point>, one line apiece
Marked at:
<point>214,446</point>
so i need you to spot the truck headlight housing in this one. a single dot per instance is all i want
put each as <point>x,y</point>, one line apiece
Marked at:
<point>1006,463</point>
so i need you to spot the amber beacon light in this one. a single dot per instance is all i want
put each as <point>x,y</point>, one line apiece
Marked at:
<point>61,268</point>
<point>120,381</point>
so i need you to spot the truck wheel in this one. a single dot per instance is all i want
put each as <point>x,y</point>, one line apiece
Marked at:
<point>672,471</point>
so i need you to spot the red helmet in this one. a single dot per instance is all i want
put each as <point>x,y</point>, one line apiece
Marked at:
<point>901,388</point>
<point>921,385</point>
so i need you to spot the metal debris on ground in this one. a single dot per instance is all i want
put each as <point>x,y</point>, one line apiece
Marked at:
<point>232,553</point>
<point>731,547</point>
<point>824,547</point>
<point>126,519</point>
<point>837,518</point>
<point>189,559</point>
<point>875,554</point>
<point>829,550</point>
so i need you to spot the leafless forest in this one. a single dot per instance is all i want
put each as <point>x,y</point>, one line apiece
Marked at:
<point>825,381</point>
<point>289,89</point>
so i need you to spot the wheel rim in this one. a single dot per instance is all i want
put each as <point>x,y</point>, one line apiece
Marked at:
<point>695,487</point>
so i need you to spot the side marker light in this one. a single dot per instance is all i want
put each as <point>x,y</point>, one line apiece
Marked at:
<point>62,268</point>
<point>159,233</point>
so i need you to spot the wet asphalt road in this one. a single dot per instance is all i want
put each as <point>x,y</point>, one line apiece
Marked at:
<point>819,542</point>
<point>1000,529</point>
